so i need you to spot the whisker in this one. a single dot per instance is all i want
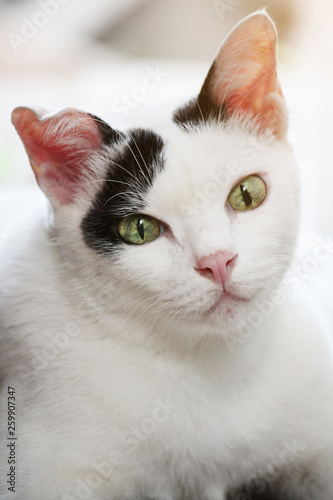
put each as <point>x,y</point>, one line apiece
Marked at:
<point>197,103</point>
<point>137,161</point>
<point>122,193</point>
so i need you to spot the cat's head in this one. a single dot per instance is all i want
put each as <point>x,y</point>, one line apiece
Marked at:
<point>188,227</point>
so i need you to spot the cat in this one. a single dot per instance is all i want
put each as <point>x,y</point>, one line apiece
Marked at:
<point>150,347</point>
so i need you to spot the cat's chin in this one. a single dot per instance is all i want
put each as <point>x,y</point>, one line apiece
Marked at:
<point>225,313</point>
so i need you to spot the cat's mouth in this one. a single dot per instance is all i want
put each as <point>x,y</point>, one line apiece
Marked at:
<point>227,302</point>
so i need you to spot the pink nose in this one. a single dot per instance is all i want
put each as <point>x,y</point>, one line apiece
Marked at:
<point>217,267</point>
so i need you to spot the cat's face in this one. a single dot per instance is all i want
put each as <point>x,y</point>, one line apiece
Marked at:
<point>195,173</point>
<point>191,196</point>
<point>188,225</point>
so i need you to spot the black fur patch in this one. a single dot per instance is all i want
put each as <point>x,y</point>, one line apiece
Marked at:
<point>202,108</point>
<point>257,492</point>
<point>109,135</point>
<point>130,175</point>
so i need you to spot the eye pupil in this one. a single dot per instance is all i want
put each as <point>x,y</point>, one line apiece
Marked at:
<point>141,229</point>
<point>246,196</point>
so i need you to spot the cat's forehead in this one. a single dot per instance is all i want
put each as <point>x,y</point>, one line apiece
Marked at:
<point>175,149</point>
<point>206,157</point>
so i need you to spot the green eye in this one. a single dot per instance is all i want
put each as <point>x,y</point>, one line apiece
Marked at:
<point>248,194</point>
<point>139,229</point>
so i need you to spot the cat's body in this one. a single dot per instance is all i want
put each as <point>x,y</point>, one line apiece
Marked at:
<point>183,368</point>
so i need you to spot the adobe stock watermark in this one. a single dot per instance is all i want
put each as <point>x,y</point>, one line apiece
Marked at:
<point>290,454</point>
<point>60,341</point>
<point>31,27</point>
<point>139,93</point>
<point>71,330</point>
<point>295,277</point>
<point>103,470</point>
<point>224,7</point>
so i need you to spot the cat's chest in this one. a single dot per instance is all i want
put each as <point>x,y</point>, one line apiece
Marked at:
<point>128,414</point>
<point>195,434</point>
<point>165,416</point>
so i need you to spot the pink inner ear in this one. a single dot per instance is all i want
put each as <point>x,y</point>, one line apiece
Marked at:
<point>253,97</point>
<point>58,147</point>
<point>245,77</point>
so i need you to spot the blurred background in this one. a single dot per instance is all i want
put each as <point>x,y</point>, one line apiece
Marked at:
<point>95,54</point>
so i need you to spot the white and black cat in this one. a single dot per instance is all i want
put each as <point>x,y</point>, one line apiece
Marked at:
<point>154,349</point>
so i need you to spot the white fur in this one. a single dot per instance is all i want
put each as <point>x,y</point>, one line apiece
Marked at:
<point>133,378</point>
<point>119,367</point>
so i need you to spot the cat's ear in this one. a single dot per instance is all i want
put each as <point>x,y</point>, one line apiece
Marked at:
<point>59,147</point>
<point>243,76</point>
